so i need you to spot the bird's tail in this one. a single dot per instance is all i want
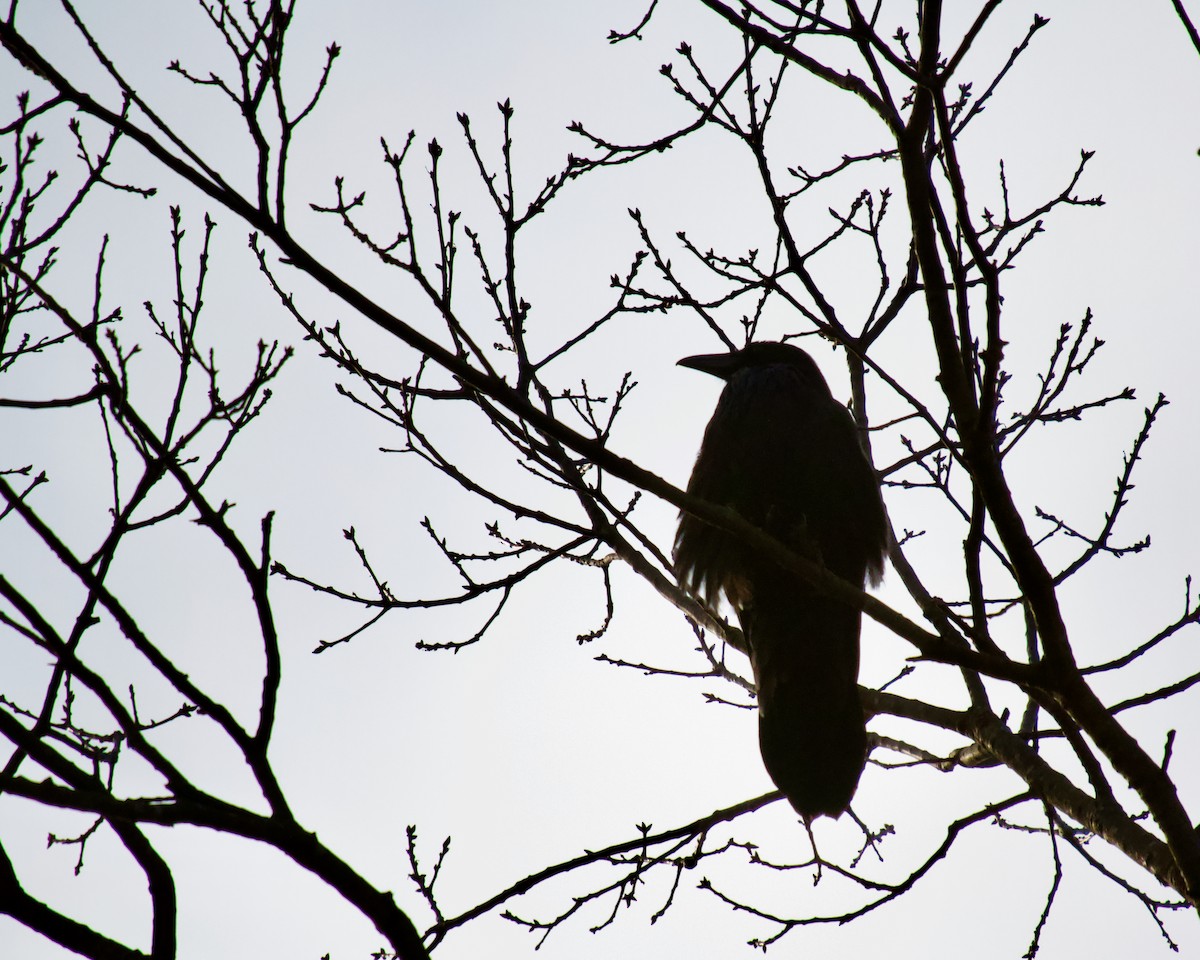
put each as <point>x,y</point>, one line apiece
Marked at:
<point>811,728</point>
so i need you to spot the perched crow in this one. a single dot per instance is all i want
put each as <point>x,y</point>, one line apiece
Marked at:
<point>783,453</point>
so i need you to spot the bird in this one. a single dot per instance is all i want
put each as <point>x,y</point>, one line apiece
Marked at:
<point>783,453</point>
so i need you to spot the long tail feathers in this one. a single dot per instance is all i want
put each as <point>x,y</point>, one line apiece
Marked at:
<point>811,727</point>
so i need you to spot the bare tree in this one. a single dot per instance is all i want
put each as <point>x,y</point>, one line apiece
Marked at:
<point>938,263</point>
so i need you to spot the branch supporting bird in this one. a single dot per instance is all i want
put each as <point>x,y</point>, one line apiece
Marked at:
<point>786,455</point>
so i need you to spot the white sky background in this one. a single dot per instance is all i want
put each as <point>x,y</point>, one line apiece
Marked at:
<point>522,748</point>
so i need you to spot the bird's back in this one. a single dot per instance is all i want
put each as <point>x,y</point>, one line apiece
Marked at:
<point>783,453</point>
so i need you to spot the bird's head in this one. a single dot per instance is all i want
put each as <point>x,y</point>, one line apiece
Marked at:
<point>756,356</point>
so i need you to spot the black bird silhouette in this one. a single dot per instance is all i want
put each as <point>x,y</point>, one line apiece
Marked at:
<point>785,454</point>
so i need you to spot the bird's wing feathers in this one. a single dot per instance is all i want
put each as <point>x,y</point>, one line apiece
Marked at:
<point>790,463</point>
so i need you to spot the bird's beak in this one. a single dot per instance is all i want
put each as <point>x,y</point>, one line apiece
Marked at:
<point>718,364</point>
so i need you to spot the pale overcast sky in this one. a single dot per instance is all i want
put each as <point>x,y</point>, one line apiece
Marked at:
<point>523,748</point>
